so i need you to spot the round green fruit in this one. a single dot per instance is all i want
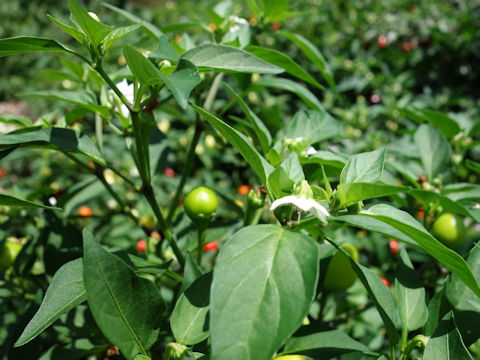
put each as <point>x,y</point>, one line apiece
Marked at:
<point>449,230</point>
<point>340,275</point>
<point>200,204</point>
<point>8,253</point>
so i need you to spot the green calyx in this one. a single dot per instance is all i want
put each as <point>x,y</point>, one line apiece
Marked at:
<point>303,189</point>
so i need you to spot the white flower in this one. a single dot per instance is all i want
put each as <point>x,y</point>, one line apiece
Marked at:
<point>304,204</point>
<point>127,90</point>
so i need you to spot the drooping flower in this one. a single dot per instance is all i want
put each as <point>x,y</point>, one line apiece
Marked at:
<point>127,90</point>
<point>303,200</point>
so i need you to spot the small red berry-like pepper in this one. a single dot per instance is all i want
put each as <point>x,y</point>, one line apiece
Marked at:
<point>211,246</point>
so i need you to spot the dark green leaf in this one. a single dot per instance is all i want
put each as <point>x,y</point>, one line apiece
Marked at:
<point>288,85</point>
<point>434,150</point>
<point>448,126</point>
<point>466,304</point>
<point>472,165</point>
<point>64,293</point>
<point>26,44</point>
<point>324,344</point>
<point>94,30</point>
<point>315,56</point>
<point>8,200</point>
<point>240,142</point>
<point>381,296</point>
<point>261,131</point>
<point>410,294</point>
<point>165,50</point>
<point>312,126</point>
<point>352,193</point>
<point>79,98</point>
<point>127,309</point>
<point>225,58</point>
<point>365,167</point>
<point>18,120</point>
<point>405,223</point>
<point>326,158</point>
<point>78,35</point>
<point>189,320</point>
<point>285,62</point>
<point>117,34</point>
<point>147,27</point>
<point>56,138</point>
<point>264,276</point>
<point>446,342</point>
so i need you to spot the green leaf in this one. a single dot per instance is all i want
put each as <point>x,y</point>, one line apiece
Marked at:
<point>314,55</point>
<point>180,83</point>
<point>326,158</point>
<point>77,35</point>
<point>472,165</point>
<point>280,183</point>
<point>324,344</point>
<point>189,320</point>
<point>405,223</point>
<point>288,85</point>
<point>118,33</point>
<point>410,294</point>
<point>64,293</point>
<point>150,29</point>
<point>8,200</point>
<point>208,57</point>
<point>465,303</point>
<point>293,168</point>
<point>448,127</point>
<point>264,276</point>
<point>165,50</point>
<point>351,193</point>
<point>429,197</point>
<point>313,126</point>
<point>94,30</point>
<point>371,224</point>
<point>146,73</point>
<point>285,62</point>
<point>261,131</point>
<point>80,98</point>
<point>54,138</point>
<point>127,308</point>
<point>274,8</point>
<point>365,167</point>
<point>17,120</point>
<point>438,307</point>
<point>434,150</point>
<point>240,142</point>
<point>446,342</point>
<point>191,273</point>
<point>381,296</point>
<point>26,44</point>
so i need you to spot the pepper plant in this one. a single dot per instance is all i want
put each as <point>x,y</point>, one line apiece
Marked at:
<point>85,292</point>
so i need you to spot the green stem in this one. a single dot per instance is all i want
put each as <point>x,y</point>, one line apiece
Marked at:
<point>142,152</point>
<point>186,171</point>
<point>404,337</point>
<point>419,341</point>
<point>99,68</point>
<point>392,351</point>
<point>99,131</point>
<point>201,235</point>
<point>149,195</point>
